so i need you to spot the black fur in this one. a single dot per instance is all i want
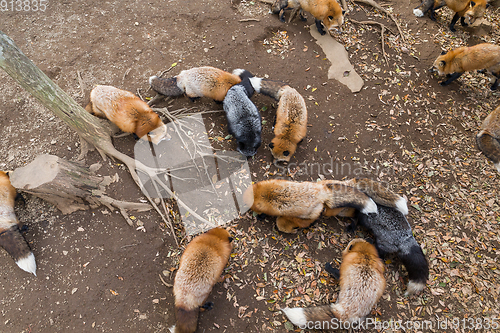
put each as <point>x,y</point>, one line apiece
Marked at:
<point>207,306</point>
<point>451,78</point>
<point>319,25</point>
<point>393,234</point>
<point>416,264</point>
<point>243,118</point>
<point>333,271</point>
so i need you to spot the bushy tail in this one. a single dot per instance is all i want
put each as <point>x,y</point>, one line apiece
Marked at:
<point>380,194</point>
<point>423,8</point>
<point>166,86</point>
<point>186,320</point>
<point>301,316</point>
<point>267,87</point>
<point>490,148</point>
<point>15,244</point>
<point>340,195</point>
<point>417,267</point>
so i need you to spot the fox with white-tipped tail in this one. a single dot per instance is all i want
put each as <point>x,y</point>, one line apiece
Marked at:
<point>362,283</point>
<point>10,236</point>
<point>393,234</point>
<point>291,117</point>
<point>299,204</point>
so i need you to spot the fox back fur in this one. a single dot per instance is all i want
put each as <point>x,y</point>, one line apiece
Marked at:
<point>200,267</point>
<point>362,283</point>
<point>196,82</point>
<point>488,138</point>
<point>454,63</point>
<point>127,111</point>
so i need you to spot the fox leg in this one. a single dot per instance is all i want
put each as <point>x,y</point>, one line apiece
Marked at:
<point>453,21</point>
<point>494,86</point>
<point>207,306</point>
<point>301,15</point>
<point>351,228</point>
<point>462,22</point>
<point>319,25</point>
<point>333,271</point>
<point>291,224</point>
<point>451,78</point>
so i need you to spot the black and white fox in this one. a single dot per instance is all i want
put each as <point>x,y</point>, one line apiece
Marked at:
<point>393,234</point>
<point>243,117</point>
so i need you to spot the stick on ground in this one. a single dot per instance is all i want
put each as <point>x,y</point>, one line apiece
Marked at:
<point>382,9</point>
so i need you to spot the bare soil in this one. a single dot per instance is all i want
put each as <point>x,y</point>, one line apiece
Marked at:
<point>95,273</point>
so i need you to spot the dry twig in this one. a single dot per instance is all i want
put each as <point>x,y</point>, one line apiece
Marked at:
<point>382,27</point>
<point>377,6</point>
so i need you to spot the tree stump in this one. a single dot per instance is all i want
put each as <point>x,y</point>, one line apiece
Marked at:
<point>69,186</point>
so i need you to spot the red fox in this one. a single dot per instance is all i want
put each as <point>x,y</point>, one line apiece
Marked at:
<point>197,82</point>
<point>299,204</point>
<point>464,9</point>
<point>200,267</point>
<point>362,283</point>
<point>483,57</point>
<point>326,12</point>
<point>291,117</point>
<point>127,111</point>
<point>489,136</point>
<point>10,236</point>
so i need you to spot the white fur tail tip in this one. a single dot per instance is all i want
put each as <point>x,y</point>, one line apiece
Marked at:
<point>414,288</point>
<point>172,329</point>
<point>296,316</point>
<point>255,81</point>
<point>497,166</point>
<point>151,78</point>
<point>27,263</point>
<point>238,71</point>
<point>418,12</point>
<point>402,206</point>
<point>370,207</point>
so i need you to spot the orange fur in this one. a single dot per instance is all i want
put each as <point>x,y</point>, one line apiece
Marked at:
<point>11,238</point>
<point>463,59</point>
<point>483,56</point>
<point>488,138</point>
<point>299,204</point>
<point>328,12</point>
<point>206,81</point>
<point>362,283</point>
<point>200,268</point>
<point>464,8</point>
<point>7,191</point>
<point>291,124</point>
<point>127,111</point>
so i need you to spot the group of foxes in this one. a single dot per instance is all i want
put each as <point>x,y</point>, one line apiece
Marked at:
<point>294,204</point>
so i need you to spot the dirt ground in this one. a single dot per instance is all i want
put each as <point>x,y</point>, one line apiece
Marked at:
<point>95,273</point>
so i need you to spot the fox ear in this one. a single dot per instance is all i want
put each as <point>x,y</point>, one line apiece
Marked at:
<point>442,63</point>
<point>343,12</point>
<point>443,52</point>
<point>472,3</point>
